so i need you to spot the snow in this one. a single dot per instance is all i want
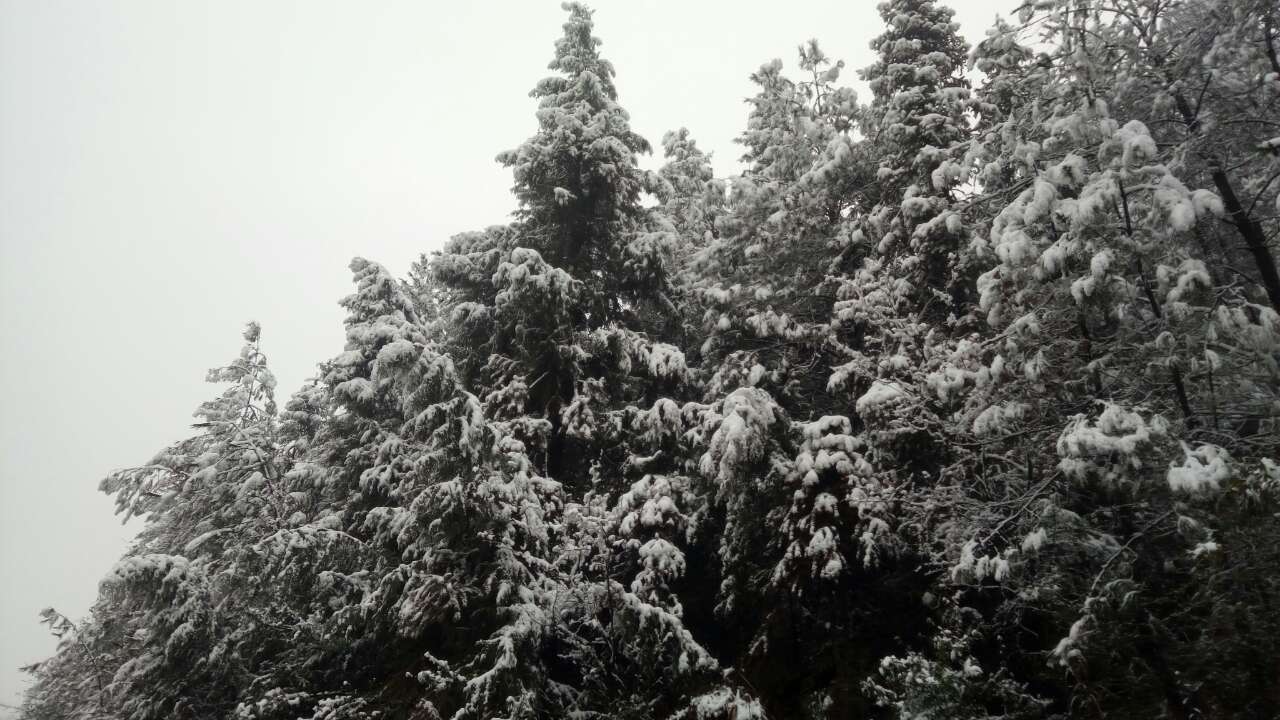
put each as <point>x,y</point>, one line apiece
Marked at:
<point>665,361</point>
<point>663,558</point>
<point>822,543</point>
<point>879,395</point>
<point>405,500</point>
<point>1038,202</point>
<point>1136,143</point>
<point>1189,274</point>
<point>202,539</point>
<point>1034,541</point>
<point>1182,206</point>
<point>1068,648</point>
<point>946,174</point>
<point>997,418</point>
<point>726,702</point>
<point>398,352</point>
<point>1206,202</point>
<point>1117,432</point>
<point>973,567</point>
<point>748,415</point>
<point>649,503</point>
<point>1101,262</point>
<point>1205,548</point>
<point>1202,471</point>
<point>826,504</point>
<point>167,568</point>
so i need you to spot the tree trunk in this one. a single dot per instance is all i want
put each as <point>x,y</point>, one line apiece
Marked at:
<point>1253,236</point>
<point>1249,229</point>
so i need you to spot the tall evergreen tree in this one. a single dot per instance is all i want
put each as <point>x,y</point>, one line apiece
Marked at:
<point>1093,494</point>
<point>952,405</point>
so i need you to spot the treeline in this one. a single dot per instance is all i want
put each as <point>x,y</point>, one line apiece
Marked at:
<point>961,401</point>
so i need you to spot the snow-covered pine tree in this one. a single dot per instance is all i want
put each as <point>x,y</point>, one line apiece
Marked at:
<point>72,684</point>
<point>904,296</point>
<point>558,323</point>
<point>582,258</point>
<point>1099,481</point>
<point>692,198</point>
<point>917,121</point>
<point>796,519</point>
<point>175,631</point>
<point>418,517</point>
<point>972,416</point>
<point>694,202</point>
<point>763,280</point>
<point>220,480</point>
<point>899,298</point>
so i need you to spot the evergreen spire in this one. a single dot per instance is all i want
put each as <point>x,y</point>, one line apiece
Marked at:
<point>577,178</point>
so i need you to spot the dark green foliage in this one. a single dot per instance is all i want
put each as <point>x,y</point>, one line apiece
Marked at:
<point>952,405</point>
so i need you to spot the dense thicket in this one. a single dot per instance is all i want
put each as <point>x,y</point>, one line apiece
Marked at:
<point>963,402</point>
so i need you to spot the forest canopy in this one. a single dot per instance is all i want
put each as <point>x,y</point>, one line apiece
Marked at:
<point>960,400</point>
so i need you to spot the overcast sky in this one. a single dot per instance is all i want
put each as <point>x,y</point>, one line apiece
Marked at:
<point>170,170</point>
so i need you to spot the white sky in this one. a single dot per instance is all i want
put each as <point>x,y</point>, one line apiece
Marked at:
<point>171,169</point>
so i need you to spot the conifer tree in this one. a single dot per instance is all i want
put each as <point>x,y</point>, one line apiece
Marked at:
<point>764,280</point>
<point>952,405</point>
<point>1087,410</point>
<point>900,307</point>
<point>583,257</point>
<point>557,321</point>
<point>917,120</point>
<point>175,630</point>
